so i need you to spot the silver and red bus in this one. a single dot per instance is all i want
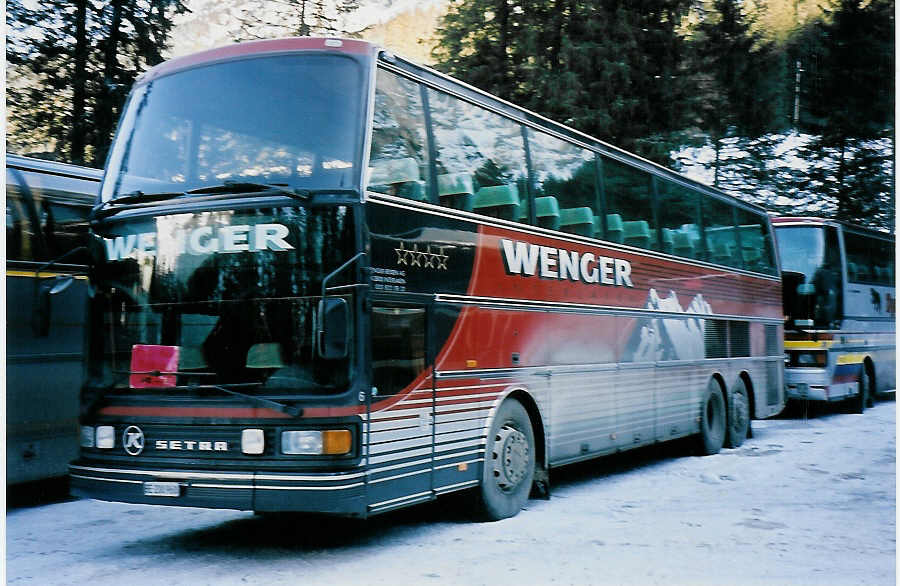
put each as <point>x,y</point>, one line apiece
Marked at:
<point>840,310</point>
<point>328,279</point>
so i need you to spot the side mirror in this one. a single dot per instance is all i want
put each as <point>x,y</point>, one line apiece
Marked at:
<point>334,328</point>
<point>40,311</point>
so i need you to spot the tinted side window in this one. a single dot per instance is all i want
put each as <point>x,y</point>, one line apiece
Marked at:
<point>756,242</point>
<point>398,348</point>
<point>398,161</point>
<point>564,174</point>
<point>869,260</point>
<point>480,159</point>
<point>679,219</point>
<point>629,204</point>
<point>721,238</point>
<point>20,235</point>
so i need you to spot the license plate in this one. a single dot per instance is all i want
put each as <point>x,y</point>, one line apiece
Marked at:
<point>162,489</point>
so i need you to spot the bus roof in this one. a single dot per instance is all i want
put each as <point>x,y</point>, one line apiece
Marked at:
<point>815,221</point>
<point>53,168</point>
<point>251,48</point>
<point>437,79</point>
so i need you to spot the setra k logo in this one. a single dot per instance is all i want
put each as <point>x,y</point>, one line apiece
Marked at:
<point>133,440</point>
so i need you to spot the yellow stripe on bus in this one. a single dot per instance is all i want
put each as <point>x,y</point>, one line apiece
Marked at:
<point>850,358</point>
<point>807,344</point>
<point>43,275</point>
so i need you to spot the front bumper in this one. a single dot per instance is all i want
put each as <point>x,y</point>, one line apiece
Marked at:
<point>815,384</point>
<point>341,493</point>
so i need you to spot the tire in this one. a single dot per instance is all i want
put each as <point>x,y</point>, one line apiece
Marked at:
<point>712,420</point>
<point>508,464</point>
<point>861,400</point>
<point>739,416</point>
<point>870,388</point>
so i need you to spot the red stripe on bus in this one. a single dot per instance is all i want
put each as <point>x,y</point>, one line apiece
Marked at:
<point>226,412</point>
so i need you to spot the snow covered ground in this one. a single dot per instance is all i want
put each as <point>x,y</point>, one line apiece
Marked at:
<point>806,501</point>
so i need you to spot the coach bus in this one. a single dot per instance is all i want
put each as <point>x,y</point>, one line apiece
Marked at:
<point>47,205</point>
<point>839,307</point>
<point>329,279</point>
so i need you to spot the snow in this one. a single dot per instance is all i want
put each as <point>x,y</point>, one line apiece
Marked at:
<point>806,501</point>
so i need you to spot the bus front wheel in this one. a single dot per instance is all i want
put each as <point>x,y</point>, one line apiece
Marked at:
<point>509,463</point>
<point>712,420</point>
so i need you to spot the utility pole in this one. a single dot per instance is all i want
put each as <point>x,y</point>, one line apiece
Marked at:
<point>799,68</point>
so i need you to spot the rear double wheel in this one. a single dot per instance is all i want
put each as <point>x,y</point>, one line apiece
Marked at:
<point>712,420</point>
<point>738,417</point>
<point>509,463</point>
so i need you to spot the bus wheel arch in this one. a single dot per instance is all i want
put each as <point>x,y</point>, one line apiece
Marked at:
<point>510,459</point>
<point>713,417</point>
<point>541,486</point>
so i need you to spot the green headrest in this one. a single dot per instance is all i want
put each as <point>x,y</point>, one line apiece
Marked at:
<point>636,229</point>
<point>387,171</point>
<point>613,222</point>
<point>497,195</point>
<point>454,183</point>
<point>546,206</point>
<point>573,216</point>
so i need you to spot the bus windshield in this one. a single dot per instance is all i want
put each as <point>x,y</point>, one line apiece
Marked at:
<point>289,120</point>
<point>810,261</point>
<point>229,296</point>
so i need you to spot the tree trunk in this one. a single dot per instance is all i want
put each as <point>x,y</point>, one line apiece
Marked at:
<point>104,115</point>
<point>78,134</point>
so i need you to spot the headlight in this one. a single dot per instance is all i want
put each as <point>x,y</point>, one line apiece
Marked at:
<point>106,436</point>
<point>252,441</point>
<point>87,436</point>
<point>328,442</point>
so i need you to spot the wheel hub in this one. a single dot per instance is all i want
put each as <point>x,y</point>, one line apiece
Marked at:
<point>510,456</point>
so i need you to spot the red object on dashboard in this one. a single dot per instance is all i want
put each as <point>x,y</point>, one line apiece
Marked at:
<point>149,363</point>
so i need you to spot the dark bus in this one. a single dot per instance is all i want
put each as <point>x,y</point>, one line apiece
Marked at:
<point>328,279</point>
<point>47,205</point>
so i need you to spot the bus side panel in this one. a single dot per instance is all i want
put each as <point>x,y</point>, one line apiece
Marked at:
<point>43,375</point>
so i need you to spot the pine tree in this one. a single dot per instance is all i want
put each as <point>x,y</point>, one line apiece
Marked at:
<point>609,68</point>
<point>72,66</point>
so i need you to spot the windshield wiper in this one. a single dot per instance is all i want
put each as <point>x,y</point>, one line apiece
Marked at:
<point>291,410</point>
<point>138,199</point>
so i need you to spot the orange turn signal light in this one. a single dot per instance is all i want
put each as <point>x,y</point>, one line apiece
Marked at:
<point>336,441</point>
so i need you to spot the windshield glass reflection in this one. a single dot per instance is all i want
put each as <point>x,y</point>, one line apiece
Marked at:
<point>291,120</point>
<point>230,296</point>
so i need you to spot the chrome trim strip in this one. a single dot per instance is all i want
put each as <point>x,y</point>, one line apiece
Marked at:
<point>221,476</point>
<point>416,473</point>
<point>417,496</point>
<point>458,486</point>
<point>451,465</point>
<point>536,305</point>
<point>339,487</point>
<point>168,473</point>
<point>106,479</point>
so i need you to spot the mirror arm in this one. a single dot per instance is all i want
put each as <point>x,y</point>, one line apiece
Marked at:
<point>338,270</point>
<point>45,266</point>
